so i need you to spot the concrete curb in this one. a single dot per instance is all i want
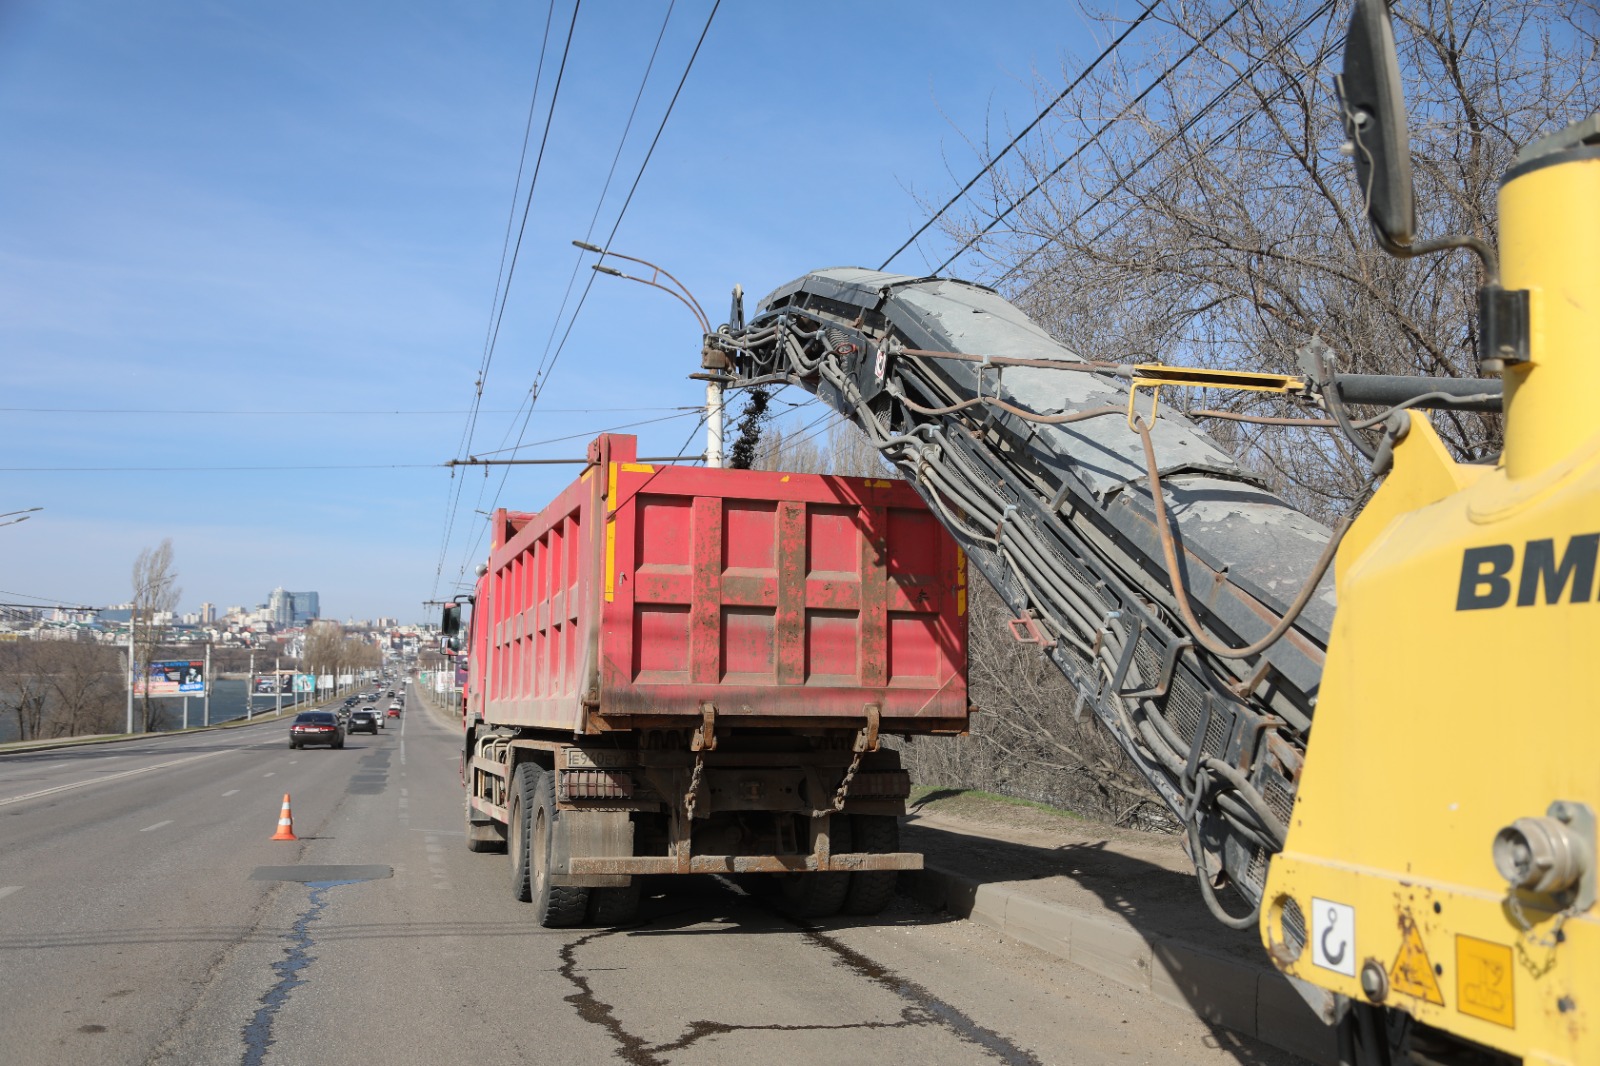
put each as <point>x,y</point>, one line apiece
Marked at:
<point>1246,997</point>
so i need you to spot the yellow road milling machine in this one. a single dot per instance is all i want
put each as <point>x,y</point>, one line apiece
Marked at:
<point>1381,740</point>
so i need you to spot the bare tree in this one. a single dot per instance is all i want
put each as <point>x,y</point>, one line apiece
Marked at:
<point>24,686</point>
<point>829,445</point>
<point>1027,740</point>
<point>155,593</point>
<point>356,654</point>
<point>85,682</point>
<point>324,648</point>
<point>1206,215</point>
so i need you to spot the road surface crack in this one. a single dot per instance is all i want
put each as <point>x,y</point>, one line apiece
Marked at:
<point>297,956</point>
<point>922,1009</point>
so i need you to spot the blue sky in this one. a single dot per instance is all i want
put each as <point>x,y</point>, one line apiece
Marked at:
<point>300,207</point>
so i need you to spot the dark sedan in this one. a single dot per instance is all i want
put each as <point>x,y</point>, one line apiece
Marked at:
<point>316,727</point>
<point>364,722</point>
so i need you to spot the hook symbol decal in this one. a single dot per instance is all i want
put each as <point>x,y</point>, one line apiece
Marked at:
<point>1333,936</point>
<point>1333,957</point>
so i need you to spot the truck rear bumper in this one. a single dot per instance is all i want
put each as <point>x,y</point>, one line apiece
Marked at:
<point>846,862</point>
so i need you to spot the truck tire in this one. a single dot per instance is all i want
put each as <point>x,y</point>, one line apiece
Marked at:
<point>523,785</point>
<point>818,895</point>
<point>555,907</point>
<point>871,890</point>
<point>484,836</point>
<point>615,906</point>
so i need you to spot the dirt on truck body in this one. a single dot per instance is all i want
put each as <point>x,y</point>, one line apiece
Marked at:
<point>685,670</point>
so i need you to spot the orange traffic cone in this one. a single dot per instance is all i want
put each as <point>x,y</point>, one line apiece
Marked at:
<point>285,822</point>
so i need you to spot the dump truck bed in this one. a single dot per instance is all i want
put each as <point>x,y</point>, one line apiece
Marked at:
<point>645,595</point>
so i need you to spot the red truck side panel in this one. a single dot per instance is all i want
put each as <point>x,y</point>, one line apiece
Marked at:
<point>771,596</point>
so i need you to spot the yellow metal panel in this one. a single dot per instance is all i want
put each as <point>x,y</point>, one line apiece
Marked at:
<point>1423,473</point>
<point>1443,717</point>
<point>1550,245</point>
<point>611,534</point>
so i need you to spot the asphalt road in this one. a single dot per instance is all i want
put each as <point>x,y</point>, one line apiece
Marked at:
<point>142,921</point>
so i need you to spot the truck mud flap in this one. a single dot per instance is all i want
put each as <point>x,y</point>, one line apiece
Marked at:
<point>598,836</point>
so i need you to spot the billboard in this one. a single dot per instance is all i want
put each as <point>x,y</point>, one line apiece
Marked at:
<point>272,684</point>
<point>305,682</point>
<point>176,677</point>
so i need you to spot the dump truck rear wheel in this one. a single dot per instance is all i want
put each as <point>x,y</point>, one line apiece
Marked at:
<point>556,906</point>
<point>871,890</point>
<point>615,906</point>
<point>517,830</point>
<point>818,895</point>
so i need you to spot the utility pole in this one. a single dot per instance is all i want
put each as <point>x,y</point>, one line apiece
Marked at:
<point>714,424</point>
<point>277,681</point>
<point>130,672</point>
<point>250,686</point>
<point>206,703</point>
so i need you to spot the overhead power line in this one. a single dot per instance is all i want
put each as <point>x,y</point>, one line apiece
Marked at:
<point>361,413</point>
<point>1059,167</point>
<point>684,413</point>
<point>1188,125</point>
<point>53,601</point>
<point>505,242</point>
<point>504,290</point>
<point>545,369</point>
<point>193,469</point>
<point>531,396</point>
<point>634,188</point>
<point>527,205</point>
<point>1051,106</point>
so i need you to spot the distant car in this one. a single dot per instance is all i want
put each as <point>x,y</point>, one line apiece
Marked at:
<point>365,722</point>
<point>394,712</point>
<point>391,693</point>
<point>316,727</point>
<point>373,710</point>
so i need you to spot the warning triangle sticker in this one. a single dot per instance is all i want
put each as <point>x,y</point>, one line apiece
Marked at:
<point>1412,972</point>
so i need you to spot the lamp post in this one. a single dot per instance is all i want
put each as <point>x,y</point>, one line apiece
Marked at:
<point>680,292</point>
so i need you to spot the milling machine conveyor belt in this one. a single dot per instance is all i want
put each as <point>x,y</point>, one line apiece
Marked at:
<point>1059,518</point>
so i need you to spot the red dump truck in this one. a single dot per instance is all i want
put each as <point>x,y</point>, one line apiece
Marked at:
<point>678,670</point>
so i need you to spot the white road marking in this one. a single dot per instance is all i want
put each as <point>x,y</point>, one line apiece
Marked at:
<point>158,825</point>
<point>8,889</point>
<point>231,792</point>
<point>270,773</point>
<point>113,777</point>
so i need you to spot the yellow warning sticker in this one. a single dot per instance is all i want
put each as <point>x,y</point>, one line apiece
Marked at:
<point>1485,981</point>
<point>1412,972</point>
